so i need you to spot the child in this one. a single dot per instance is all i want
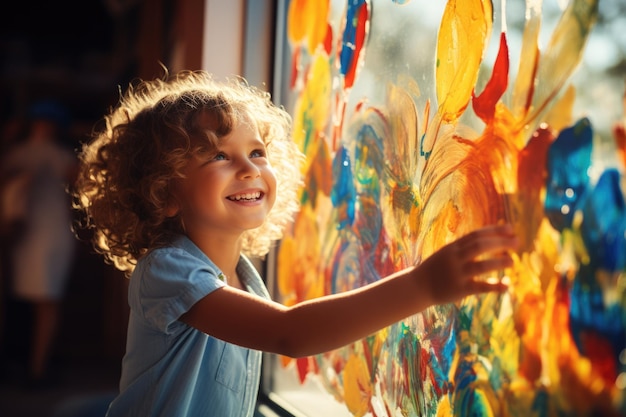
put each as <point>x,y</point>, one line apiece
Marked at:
<point>188,176</point>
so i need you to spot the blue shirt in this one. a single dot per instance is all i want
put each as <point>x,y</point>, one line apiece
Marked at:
<point>172,369</point>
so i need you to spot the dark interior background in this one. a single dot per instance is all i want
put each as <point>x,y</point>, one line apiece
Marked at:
<point>81,52</point>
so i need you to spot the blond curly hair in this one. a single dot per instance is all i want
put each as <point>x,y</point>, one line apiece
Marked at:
<point>129,166</point>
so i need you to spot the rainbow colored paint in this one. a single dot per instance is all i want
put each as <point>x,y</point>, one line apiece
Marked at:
<point>387,182</point>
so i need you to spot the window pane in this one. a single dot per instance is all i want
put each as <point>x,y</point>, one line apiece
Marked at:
<point>422,122</point>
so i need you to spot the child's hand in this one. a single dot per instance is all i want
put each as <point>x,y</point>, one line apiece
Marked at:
<point>458,269</point>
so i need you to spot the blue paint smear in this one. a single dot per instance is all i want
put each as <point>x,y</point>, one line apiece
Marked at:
<point>343,193</point>
<point>541,403</point>
<point>337,264</point>
<point>589,316</point>
<point>498,375</point>
<point>369,229</point>
<point>426,155</point>
<point>468,402</point>
<point>465,375</point>
<point>442,358</point>
<point>569,158</point>
<point>348,44</point>
<point>369,162</point>
<point>369,143</point>
<point>603,227</point>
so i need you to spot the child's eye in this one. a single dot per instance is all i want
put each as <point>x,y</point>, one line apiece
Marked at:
<point>258,153</point>
<point>220,156</point>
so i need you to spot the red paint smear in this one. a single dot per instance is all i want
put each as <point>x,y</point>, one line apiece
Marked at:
<point>530,365</point>
<point>485,103</point>
<point>406,371</point>
<point>532,162</point>
<point>424,361</point>
<point>295,59</point>
<point>619,134</point>
<point>601,355</point>
<point>303,368</point>
<point>328,40</point>
<point>362,17</point>
<point>531,87</point>
<point>360,106</point>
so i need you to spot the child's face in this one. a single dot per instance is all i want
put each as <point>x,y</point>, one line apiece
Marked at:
<point>231,191</point>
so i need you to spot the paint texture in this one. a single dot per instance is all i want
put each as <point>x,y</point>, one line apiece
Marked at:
<point>388,182</point>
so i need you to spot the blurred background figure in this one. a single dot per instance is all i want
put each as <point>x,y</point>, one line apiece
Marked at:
<point>36,222</point>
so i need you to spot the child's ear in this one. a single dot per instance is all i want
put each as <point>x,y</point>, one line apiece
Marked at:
<point>172,208</point>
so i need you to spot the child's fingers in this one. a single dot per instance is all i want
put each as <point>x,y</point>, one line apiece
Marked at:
<point>487,240</point>
<point>489,286</point>
<point>484,266</point>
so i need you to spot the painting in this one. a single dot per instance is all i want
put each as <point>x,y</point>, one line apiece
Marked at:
<point>410,145</point>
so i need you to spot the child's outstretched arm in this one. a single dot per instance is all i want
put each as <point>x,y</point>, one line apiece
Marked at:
<point>332,321</point>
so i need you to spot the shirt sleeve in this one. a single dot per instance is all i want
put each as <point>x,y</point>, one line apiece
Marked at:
<point>170,283</point>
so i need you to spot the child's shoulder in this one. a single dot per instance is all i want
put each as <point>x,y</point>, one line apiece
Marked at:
<point>181,254</point>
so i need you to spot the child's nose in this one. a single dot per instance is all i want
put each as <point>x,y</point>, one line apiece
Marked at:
<point>248,169</point>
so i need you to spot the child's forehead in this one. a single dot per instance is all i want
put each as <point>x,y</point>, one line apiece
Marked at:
<point>244,128</point>
<point>222,129</point>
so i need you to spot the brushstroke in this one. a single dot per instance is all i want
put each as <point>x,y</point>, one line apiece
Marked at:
<point>408,178</point>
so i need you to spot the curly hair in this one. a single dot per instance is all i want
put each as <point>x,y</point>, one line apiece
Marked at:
<point>128,168</point>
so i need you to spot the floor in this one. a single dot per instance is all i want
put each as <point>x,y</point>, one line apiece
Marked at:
<point>77,388</point>
<point>85,367</point>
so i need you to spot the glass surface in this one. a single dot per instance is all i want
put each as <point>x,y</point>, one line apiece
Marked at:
<point>422,121</point>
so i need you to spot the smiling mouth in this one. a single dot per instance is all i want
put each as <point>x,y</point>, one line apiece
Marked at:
<point>245,197</point>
